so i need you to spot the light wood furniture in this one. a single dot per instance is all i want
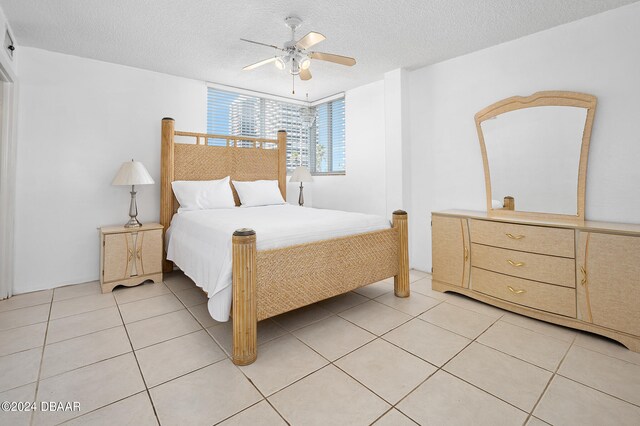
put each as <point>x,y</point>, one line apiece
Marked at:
<point>547,98</point>
<point>130,256</point>
<point>270,282</point>
<point>581,275</point>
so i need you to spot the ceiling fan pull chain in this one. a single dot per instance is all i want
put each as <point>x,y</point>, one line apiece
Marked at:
<point>293,84</point>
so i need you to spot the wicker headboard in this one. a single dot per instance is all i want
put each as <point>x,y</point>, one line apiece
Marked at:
<point>242,158</point>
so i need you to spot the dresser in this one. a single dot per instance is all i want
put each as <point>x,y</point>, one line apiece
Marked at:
<point>130,256</point>
<point>585,276</point>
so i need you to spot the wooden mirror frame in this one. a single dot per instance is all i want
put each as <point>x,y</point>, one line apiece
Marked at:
<point>547,98</point>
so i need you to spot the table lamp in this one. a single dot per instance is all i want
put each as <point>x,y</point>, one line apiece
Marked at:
<point>132,173</point>
<point>301,174</point>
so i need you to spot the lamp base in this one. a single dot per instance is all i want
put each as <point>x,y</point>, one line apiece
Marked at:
<point>133,223</point>
<point>133,211</point>
<point>301,197</point>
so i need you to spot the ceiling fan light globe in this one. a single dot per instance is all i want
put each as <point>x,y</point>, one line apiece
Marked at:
<point>305,63</point>
<point>279,63</point>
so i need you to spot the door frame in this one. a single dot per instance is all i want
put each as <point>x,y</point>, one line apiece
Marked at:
<point>8,156</point>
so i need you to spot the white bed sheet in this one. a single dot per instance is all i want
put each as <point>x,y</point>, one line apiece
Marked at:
<point>199,242</point>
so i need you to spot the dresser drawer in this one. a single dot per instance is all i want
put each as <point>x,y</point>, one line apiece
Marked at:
<point>537,267</point>
<point>545,297</point>
<point>535,239</point>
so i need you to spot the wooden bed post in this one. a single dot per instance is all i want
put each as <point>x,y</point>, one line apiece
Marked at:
<point>282,162</point>
<point>245,314</point>
<point>166,177</point>
<point>401,281</point>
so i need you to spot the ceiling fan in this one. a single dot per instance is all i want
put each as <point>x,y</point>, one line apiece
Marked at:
<point>296,55</point>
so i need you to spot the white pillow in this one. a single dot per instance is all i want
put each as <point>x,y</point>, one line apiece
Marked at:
<point>203,194</point>
<point>258,193</point>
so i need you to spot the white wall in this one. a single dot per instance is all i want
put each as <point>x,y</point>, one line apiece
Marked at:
<point>79,119</point>
<point>397,166</point>
<point>363,188</point>
<point>597,55</point>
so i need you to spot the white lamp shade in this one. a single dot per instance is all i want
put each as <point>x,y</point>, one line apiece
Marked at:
<point>132,173</point>
<point>301,174</point>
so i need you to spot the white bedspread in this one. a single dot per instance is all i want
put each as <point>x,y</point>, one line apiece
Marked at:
<point>199,242</point>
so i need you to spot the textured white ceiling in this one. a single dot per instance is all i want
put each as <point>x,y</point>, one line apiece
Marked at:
<point>200,38</point>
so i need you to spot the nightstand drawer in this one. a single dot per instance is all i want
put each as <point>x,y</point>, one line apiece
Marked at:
<point>545,297</point>
<point>534,239</point>
<point>537,267</point>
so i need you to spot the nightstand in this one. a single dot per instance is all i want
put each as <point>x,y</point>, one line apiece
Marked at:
<point>130,256</point>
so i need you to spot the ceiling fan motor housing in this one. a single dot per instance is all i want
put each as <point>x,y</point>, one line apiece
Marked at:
<point>293,22</point>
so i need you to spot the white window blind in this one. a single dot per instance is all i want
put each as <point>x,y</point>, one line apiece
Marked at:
<point>329,138</point>
<point>237,114</point>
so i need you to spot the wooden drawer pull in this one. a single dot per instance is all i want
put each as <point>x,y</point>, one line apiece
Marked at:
<point>514,237</point>
<point>516,264</point>
<point>584,275</point>
<point>514,291</point>
<point>466,254</point>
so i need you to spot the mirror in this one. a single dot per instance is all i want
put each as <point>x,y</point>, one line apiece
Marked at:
<point>535,154</point>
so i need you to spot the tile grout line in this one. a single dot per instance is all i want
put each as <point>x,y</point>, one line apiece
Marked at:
<point>100,408</point>
<point>84,335</point>
<point>144,382</point>
<point>22,307</point>
<point>441,368</point>
<point>355,349</point>
<point>599,391</point>
<point>376,338</point>
<point>44,345</point>
<point>329,362</point>
<point>589,386</point>
<point>553,375</point>
<point>123,325</point>
<point>529,414</point>
<point>83,312</point>
<point>475,340</point>
<point>27,325</point>
<point>172,292</point>
<point>227,357</point>
<point>241,411</point>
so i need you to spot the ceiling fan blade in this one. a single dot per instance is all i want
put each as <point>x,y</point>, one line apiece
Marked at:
<point>338,59</point>
<point>259,64</point>
<point>261,44</point>
<point>305,74</point>
<point>311,39</point>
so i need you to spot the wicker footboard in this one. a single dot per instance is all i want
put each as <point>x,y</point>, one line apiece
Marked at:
<point>268,283</point>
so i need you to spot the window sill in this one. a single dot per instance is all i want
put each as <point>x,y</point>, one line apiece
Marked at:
<point>325,174</point>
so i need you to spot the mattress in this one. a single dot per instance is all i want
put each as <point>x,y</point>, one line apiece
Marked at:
<point>199,242</point>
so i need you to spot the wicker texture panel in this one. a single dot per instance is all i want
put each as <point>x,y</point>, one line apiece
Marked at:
<point>203,162</point>
<point>244,301</point>
<point>296,276</point>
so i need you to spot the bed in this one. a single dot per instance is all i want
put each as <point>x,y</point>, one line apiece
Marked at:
<point>300,255</point>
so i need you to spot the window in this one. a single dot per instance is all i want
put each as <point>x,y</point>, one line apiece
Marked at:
<point>328,138</point>
<point>320,147</point>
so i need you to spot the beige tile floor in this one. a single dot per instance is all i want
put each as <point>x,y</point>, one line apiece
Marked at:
<point>151,354</point>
